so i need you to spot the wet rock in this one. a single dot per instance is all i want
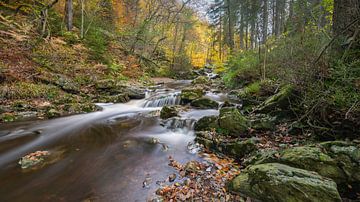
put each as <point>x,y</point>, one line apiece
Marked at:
<point>147,182</point>
<point>232,121</point>
<point>154,140</point>
<point>168,112</point>
<point>278,182</point>
<point>189,94</point>
<point>202,80</point>
<point>133,92</point>
<point>207,123</point>
<point>192,167</point>
<point>205,103</point>
<point>279,100</point>
<point>172,177</point>
<point>33,159</point>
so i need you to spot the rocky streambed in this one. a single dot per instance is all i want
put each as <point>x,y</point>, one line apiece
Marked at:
<point>185,141</point>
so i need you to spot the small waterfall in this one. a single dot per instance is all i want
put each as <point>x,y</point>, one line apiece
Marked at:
<point>178,123</point>
<point>164,100</point>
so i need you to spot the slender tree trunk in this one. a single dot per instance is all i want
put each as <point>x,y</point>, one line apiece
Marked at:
<point>230,27</point>
<point>265,21</point>
<point>82,18</point>
<point>277,18</point>
<point>220,39</point>
<point>69,15</point>
<point>241,31</point>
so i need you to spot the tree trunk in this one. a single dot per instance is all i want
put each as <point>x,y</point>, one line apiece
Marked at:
<point>265,21</point>
<point>346,23</point>
<point>230,27</point>
<point>241,31</point>
<point>69,14</point>
<point>82,18</point>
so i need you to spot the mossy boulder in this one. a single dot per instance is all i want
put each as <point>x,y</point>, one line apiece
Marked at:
<point>282,183</point>
<point>279,100</point>
<point>205,103</point>
<point>232,121</point>
<point>241,148</point>
<point>263,122</point>
<point>202,80</point>
<point>134,92</point>
<point>189,94</point>
<point>168,112</point>
<point>340,163</point>
<point>207,123</point>
<point>347,156</point>
<point>237,148</point>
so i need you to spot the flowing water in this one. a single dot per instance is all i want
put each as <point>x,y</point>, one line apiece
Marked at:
<point>116,154</point>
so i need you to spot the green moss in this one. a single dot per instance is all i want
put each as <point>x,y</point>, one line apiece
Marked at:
<point>233,121</point>
<point>24,90</point>
<point>190,94</point>
<point>281,183</point>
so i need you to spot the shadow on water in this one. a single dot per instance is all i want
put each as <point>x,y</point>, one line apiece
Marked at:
<point>101,156</point>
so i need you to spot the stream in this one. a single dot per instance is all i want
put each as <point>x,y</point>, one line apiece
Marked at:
<point>116,154</point>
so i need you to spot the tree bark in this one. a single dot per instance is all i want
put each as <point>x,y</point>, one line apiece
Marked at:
<point>265,21</point>
<point>69,15</point>
<point>345,26</point>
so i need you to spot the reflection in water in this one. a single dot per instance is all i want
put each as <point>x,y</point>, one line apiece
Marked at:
<point>105,156</point>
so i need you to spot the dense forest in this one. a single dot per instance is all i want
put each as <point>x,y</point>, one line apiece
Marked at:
<point>250,100</point>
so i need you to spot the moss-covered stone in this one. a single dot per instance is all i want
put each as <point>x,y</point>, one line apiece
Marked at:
<point>189,94</point>
<point>347,157</point>
<point>120,98</point>
<point>202,80</point>
<point>280,99</point>
<point>205,103</point>
<point>340,163</point>
<point>231,120</point>
<point>240,148</point>
<point>168,112</point>
<point>263,122</point>
<point>282,183</point>
<point>207,123</point>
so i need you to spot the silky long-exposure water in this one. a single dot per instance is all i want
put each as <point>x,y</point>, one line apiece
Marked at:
<point>100,156</point>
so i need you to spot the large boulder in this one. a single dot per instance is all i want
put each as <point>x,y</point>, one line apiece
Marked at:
<point>347,156</point>
<point>168,112</point>
<point>205,103</point>
<point>282,183</point>
<point>232,121</point>
<point>237,148</point>
<point>338,162</point>
<point>279,100</point>
<point>132,91</point>
<point>262,122</point>
<point>189,94</point>
<point>207,123</point>
<point>241,148</point>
